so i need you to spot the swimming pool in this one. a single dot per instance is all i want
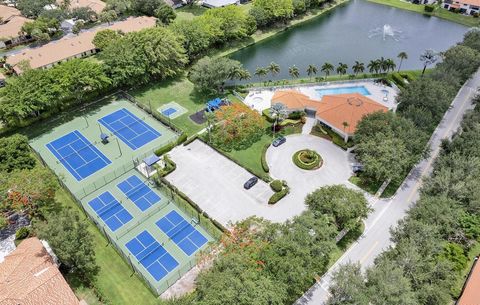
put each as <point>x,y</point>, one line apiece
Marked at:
<point>342,90</point>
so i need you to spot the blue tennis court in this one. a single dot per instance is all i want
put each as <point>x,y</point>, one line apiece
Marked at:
<point>138,192</point>
<point>169,111</point>
<point>129,128</point>
<point>110,211</point>
<point>80,157</point>
<point>183,234</point>
<point>151,255</point>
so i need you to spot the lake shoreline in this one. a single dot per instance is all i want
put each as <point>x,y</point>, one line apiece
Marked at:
<point>469,21</point>
<point>260,37</point>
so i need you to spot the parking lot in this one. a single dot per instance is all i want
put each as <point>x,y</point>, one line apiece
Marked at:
<point>216,184</point>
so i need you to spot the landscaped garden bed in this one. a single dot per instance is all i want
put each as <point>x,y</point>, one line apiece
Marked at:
<point>307,159</point>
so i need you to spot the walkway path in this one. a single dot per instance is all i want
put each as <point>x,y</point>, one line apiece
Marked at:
<point>307,127</point>
<point>376,237</point>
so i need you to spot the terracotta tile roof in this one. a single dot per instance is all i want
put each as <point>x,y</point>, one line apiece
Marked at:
<point>28,276</point>
<point>469,2</point>
<point>8,11</point>
<point>67,47</point>
<point>96,5</point>
<point>471,291</point>
<point>13,27</point>
<point>350,108</point>
<point>293,99</point>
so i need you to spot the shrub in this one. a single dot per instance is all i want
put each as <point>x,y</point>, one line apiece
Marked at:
<point>264,158</point>
<point>307,159</point>
<point>22,233</point>
<point>279,195</point>
<point>429,8</point>
<point>276,185</point>
<point>3,222</point>
<point>190,140</point>
<point>182,138</point>
<point>266,114</point>
<point>296,115</point>
<point>170,166</point>
<point>398,80</point>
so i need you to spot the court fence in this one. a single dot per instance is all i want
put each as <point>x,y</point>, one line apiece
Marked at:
<point>148,109</point>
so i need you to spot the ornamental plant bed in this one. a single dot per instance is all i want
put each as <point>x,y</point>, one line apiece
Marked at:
<point>307,159</point>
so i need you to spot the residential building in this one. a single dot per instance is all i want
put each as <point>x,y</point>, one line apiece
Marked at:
<point>96,5</point>
<point>175,3</point>
<point>469,7</point>
<point>219,3</point>
<point>30,276</point>
<point>73,46</point>
<point>340,112</point>
<point>471,290</point>
<point>11,22</point>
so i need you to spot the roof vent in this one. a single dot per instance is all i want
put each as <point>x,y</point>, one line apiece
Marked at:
<point>355,101</point>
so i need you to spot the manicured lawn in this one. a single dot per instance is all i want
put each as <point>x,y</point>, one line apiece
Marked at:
<point>115,281</point>
<point>438,12</point>
<point>251,157</point>
<point>365,184</point>
<point>179,90</point>
<point>189,12</point>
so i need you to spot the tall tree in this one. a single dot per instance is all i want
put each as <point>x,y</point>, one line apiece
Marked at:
<point>342,68</point>
<point>428,57</point>
<point>261,72</point>
<point>348,286</point>
<point>279,112</point>
<point>294,72</point>
<point>71,241</point>
<point>273,68</point>
<point>210,75</point>
<point>358,67</point>
<point>312,70</point>
<point>327,68</point>
<point>402,56</point>
<point>15,154</point>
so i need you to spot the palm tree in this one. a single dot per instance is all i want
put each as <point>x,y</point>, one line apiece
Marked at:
<point>279,112</point>
<point>345,125</point>
<point>273,68</point>
<point>327,68</point>
<point>358,67</point>
<point>244,74</point>
<point>428,57</point>
<point>402,56</point>
<point>373,66</point>
<point>390,63</point>
<point>383,64</point>
<point>294,72</point>
<point>210,120</point>
<point>261,72</point>
<point>312,70</point>
<point>342,68</point>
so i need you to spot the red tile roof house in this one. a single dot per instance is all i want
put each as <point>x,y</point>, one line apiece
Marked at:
<point>471,290</point>
<point>30,276</point>
<point>11,22</point>
<point>72,47</point>
<point>341,112</point>
<point>470,7</point>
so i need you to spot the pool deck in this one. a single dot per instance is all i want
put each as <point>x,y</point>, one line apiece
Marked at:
<point>260,99</point>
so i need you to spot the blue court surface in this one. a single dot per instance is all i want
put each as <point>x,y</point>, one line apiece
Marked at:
<point>110,211</point>
<point>183,234</point>
<point>169,111</point>
<point>80,157</point>
<point>138,192</point>
<point>151,255</point>
<point>130,129</point>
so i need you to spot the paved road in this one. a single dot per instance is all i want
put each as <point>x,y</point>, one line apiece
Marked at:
<point>386,214</point>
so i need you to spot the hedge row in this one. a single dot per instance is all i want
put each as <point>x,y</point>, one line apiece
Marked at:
<point>264,158</point>
<point>278,195</point>
<point>276,185</point>
<point>268,116</point>
<point>170,166</point>
<point>398,80</point>
<point>169,146</point>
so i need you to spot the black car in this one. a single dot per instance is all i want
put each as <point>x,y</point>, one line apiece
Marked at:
<point>278,141</point>
<point>250,183</point>
<point>357,168</point>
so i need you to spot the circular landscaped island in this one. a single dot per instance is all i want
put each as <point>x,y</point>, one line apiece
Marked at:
<point>307,159</point>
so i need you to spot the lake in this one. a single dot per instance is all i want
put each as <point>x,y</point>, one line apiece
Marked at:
<point>358,30</point>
